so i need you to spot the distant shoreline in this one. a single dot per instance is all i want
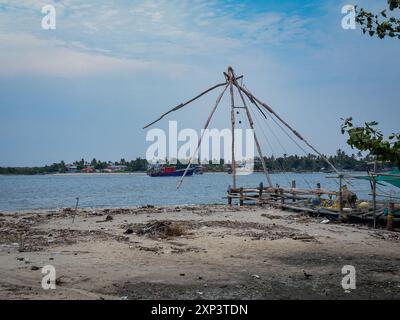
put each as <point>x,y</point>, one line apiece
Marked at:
<point>76,174</point>
<point>144,173</point>
<point>140,173</point>
<point>97,174</point>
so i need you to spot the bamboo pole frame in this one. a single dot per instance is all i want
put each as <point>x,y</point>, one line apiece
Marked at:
<point>233,120</point>
<point>231,80</point>
<point>202,136</point>
<point>255,135</point>
<point>180,106</point>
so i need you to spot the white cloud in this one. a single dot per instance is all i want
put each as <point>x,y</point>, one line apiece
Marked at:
<point>26,55</point>
<point>104,37</point>
<point>190,27</point>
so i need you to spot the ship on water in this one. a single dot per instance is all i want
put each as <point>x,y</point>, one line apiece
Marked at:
<point>167,170</point>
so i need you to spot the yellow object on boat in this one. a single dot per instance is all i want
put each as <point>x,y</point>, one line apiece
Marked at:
<point>363,205</point>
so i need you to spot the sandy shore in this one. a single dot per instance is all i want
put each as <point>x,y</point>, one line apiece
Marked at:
<point>199,252</point>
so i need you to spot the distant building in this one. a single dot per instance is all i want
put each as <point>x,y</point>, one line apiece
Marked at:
<point>71,168</point>
<point>114,168</point>
<point>88,170</point>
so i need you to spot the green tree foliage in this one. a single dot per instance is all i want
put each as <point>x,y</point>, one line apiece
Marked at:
<point>138,165</point>
<point>369,138</point>
<point>80,164</point>
<point>54,168</point>
<point>380,25</point>
<point>312,163</point>
<point>62,167</point>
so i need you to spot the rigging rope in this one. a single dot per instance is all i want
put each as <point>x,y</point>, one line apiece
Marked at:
<point>270,145</point>
<point>282,128</point>
<point>284,150</point>
<point>296,133</point>
<point>292,138</point>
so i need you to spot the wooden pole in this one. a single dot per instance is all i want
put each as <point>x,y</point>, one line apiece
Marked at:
<point>282,197</point>
<point>341,211</point>
<point>233,120</point>
<point>202,136</point>
<point>76,210</point>
<point>255,137</point>
<point>390,217</point>
<point>374,190</point>
<point>319,195</point>
<point>260,193</point>
<point>180,106</point>
<point>294,186</point>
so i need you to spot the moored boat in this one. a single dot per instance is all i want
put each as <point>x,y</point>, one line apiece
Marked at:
<point>160,170</point>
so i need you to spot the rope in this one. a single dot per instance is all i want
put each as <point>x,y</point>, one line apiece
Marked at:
<point>281,145</point>
<point>270,145</point>
<point>285,151</point>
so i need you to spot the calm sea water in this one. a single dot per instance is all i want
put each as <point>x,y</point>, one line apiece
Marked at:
<point>128,190</point>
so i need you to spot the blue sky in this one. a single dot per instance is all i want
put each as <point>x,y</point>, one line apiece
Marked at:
<point>87,88</point>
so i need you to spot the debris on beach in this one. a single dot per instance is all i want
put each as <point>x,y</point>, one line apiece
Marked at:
<point>252,230</point>
<point>388,236</point>
<point>224,242</point>
<point>109,218</point>
<point>303,237</point>
<point>155,249</point>
<point>60,280</point>
<point>271,216</point>
<point>23,236</point>
<point>129,231</point>
<point>162,229</point>
<point>307,275</point>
